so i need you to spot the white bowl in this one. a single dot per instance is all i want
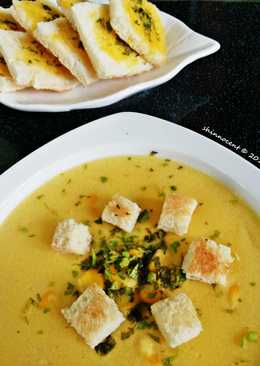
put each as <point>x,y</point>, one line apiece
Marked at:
<point>128,134</point>
<point>184,47</point>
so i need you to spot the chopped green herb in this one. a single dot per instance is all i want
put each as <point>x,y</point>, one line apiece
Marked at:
<point>129,158</point>
<point>98,221</point>
<point>70,289</point>
<point>253,284</point>
<point>151,170</point>
<point>175,245</point>
<point>180,167</point>
<point>173,188</point>
<point>106,346</point>
<point>151,277</point>
<point>68,181</point>
<point>40,332</point>
<point>85,166</point>
<point>144,216</point>
<point>252,336</point>
<point>215,235</point>
<point>104,179</point>
<point>75,273</point>
<point>24,229</point>
<point>144,324</point>
<point>143,188</point>
<point>153,153</point>
<point>93,257</point>
<point>155,337</point>
<point>40,196</point>
<point>46,310</point>
<point>128,333</point>
<point>161,194</point>
<point>168,361</point>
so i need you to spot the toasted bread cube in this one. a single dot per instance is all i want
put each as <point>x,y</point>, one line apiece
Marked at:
<point>110,56</point>
<point>176,213</point>
<point>140,25</point>
<point>121,212</point>
<point>71,237</point>
<point>177,319</point>
<point>207,261</point>
<point>31,65</point>
<point>94,315</point>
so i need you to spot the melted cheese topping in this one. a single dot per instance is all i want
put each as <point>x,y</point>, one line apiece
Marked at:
<point>147,23</point>
<point>3,68</point>
<point>68,3</point>
<point>32,53</point>
<point>108,39</point>
<point>7,22</point>
<point>35,12</point>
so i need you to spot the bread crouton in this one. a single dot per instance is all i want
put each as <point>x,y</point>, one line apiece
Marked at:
<point>121,212</point>
<point>176,214</point>
<point>139,24</point>
<point>110,56</point>
<point>207,261</point>
<point>177,319</point>
<point>94,315</point>
<point>71,237</point>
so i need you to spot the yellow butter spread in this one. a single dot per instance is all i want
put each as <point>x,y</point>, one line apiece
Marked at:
<point>3,68</point>
<point>108,39</point>
<point>32,53</point>
<point>7,22</point>
<point>68,3</point>
<point>36,11</point>
<point>147,23</point>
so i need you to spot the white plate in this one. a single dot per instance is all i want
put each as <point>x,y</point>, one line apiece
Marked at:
<point>128,134</point>
<point>184,47</point>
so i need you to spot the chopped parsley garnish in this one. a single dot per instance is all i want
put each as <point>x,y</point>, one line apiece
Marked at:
<point>155,337</point>
<point>173,188</point>
<point>40,196</point>
<point>215,235</point>
<point>175,245</point>
<point>106,346</point>
<point>168,361</point>
<point>70,289</point>
<point>75,273</point>
<point>98,221</point>
<point>128,333</point>
<point>103,179</point>
<point>153,153</point>
<point>144,216</point>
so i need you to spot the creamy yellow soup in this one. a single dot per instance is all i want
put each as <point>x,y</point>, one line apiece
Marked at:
<point>34,278</point>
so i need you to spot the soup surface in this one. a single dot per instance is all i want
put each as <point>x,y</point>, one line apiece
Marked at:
<point>34,278</point>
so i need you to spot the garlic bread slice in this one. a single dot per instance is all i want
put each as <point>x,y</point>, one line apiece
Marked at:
<point>139,23</point>
<point>31,65</point>
<point>110,56</point>
<point>55,33</point>
<point>63,41</point>
<point>7,22</point>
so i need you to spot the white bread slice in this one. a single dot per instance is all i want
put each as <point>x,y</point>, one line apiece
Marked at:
<point>29,13</point>
<point>60,38</point>
<point>177,319</point>
<point>94,315</point>
<point>176,213</point>
<point>110,56</point>
<point>121,212</point>
<point>7,84</point>
<point>207,261</point>
<point>138,23</point>
<point>7,22</point>
<point>32,65</point>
